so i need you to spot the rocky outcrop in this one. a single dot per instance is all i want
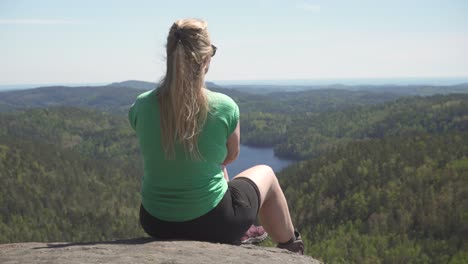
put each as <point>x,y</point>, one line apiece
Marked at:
<point>145,250</point>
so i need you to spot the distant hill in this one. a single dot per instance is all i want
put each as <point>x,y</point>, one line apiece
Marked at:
<point>135,84</point>
<point>106,98</point>
<point>403,90</point>
<point>298,124</point>
<point>149,85</point>
<point>117,98</point>
<point>114,98</point>
<point>411,90</point>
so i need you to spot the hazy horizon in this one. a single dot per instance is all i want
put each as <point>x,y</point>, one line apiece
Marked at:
<point>443,81</point>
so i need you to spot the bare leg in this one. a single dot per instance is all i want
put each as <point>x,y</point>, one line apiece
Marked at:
<point>274,212</point>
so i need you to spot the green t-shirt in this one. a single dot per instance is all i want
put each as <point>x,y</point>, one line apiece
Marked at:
<point>182,189</point>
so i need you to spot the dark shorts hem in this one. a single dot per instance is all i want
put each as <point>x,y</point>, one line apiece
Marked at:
<point>252,183</point>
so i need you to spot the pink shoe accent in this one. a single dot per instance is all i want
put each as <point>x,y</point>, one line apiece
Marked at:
<point>254,235</point>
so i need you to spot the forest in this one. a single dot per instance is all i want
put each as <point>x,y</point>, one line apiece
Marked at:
<point>68,175</point>
<point>400,199</point>
<point>380,177</point>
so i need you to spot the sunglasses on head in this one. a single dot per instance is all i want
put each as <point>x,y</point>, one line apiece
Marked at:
<point>214,50</point>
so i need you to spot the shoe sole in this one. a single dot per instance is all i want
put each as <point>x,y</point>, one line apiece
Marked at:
<point>255,240</point>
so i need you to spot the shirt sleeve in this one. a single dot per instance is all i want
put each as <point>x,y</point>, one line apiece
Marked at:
<point>132,118</point>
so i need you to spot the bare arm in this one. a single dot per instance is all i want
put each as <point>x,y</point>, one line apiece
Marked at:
<point>233,146</point>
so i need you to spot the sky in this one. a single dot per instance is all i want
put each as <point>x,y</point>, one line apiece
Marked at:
<point>52,41</point>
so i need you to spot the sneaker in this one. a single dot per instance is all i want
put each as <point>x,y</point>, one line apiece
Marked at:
<point>254,235</point>
<point>295,245</point>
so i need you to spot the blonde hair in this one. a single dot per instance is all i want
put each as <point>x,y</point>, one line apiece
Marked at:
<point>182,101</point>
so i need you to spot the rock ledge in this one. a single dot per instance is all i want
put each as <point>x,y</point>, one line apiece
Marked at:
<point>145,250</point>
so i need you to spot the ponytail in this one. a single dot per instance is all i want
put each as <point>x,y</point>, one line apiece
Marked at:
<point>182,100</point>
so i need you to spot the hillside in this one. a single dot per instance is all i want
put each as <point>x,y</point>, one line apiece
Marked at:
<point>309,134</point>
<point>297,124</point>
<point>68,175</point>
<point>399,199</point>
<point>383,179</point>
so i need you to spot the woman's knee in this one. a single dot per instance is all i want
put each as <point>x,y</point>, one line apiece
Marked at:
<point>266,168</point>
<point>270,174</point>
<point>266,171</point>
<point>261,175</point>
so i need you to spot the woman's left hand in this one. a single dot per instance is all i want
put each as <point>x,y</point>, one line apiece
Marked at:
<point>225,172</point>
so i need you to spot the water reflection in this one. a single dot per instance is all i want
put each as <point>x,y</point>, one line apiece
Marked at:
<point>251,156</point>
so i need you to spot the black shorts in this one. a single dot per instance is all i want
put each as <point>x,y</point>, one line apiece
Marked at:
<point>226,223</point>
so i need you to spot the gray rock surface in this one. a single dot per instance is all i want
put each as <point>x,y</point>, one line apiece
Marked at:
<point>145,250</point>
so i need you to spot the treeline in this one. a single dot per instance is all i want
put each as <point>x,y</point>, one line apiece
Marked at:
<point>400,199</point>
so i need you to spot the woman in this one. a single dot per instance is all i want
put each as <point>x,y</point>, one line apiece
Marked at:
<point>187,134</point>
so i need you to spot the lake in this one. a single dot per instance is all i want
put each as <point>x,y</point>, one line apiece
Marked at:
<point>251,156</point>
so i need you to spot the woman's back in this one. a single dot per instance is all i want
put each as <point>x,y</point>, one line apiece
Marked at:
<point>183,188</point>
